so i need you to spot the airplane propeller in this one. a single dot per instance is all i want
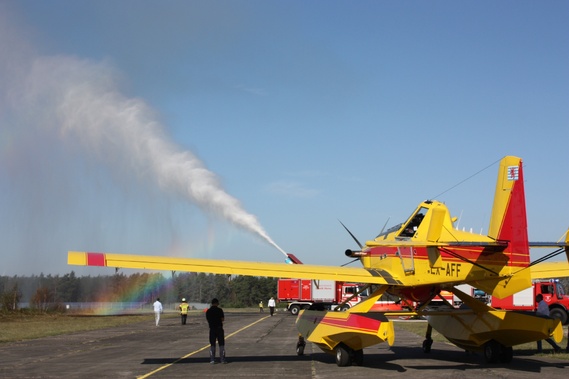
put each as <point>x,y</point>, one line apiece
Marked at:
<point>350,253</point>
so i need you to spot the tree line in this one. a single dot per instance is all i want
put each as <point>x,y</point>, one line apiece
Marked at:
<point>45,292</point>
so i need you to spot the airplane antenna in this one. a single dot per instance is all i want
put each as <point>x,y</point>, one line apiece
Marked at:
<point>384,225</point>
<point>459,218</point>
<point>464,180</point>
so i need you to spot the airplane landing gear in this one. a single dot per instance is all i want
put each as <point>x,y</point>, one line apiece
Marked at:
<point>495,351</point>
<point>346,356</point>
<point>428,342</point>
<point>300,345</point>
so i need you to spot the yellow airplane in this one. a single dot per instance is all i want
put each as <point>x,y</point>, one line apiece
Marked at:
<point>414,260</point>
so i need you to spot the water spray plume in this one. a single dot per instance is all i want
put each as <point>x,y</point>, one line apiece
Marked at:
<point>83,103</point>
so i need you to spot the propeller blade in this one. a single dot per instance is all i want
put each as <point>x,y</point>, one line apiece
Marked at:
<point>354,237</point>
<point>350,262</point>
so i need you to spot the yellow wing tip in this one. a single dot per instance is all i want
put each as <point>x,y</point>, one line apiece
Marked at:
<point>77,258</point>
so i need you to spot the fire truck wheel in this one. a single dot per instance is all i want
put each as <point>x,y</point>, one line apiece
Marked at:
<point>294,309</point>
<point>345,308</point>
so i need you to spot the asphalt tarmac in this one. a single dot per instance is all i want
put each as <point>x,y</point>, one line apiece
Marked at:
<point>257,346</point>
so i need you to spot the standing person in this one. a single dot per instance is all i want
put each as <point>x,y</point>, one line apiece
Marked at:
<point>157,310</point>
<point>272,305</point>
<point>215,318</point>
<point>261,310</point>
<point>543,310</point>
<point>184,310</point>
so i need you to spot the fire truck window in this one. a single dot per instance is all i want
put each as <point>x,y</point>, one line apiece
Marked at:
<point>546,288</point>
<point>560,290</point>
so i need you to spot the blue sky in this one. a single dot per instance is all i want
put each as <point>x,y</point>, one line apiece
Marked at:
<point>305,113</point>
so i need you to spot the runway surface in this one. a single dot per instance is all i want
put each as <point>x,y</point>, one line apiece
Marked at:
<point>257,346</point>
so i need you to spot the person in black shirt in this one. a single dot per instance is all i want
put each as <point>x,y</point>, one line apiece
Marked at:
<point>215,318</point>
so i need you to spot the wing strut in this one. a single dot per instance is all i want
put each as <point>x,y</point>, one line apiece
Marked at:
<point>545,257</point>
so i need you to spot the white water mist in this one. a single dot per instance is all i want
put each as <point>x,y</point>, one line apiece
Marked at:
<point>80,99</point>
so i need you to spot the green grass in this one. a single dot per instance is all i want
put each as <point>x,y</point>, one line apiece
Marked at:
<point>420,329</point>
<point>24,326</point>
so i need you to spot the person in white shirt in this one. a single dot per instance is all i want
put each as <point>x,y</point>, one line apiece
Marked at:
<point>272,305</point>
<point>157,310</point>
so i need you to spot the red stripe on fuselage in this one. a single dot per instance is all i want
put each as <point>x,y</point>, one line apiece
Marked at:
<point>474,254</point>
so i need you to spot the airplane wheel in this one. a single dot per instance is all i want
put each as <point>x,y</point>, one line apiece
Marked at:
<point>559,314</point>
<point>342,356</point>
<point>294,309</point>
<point>492,351</point>
<point>427,345</point>
<point>506,354</point>
<point>358,358</point>
<point>300,350</point>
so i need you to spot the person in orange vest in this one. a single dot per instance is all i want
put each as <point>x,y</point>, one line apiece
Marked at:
<point>184,310</point>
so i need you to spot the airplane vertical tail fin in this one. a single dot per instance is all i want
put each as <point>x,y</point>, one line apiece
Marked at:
<point>509,221</point>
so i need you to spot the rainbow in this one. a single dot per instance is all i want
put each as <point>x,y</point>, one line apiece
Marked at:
<point>132,293</point>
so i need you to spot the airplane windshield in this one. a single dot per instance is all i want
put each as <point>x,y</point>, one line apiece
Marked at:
<point>413,224</point>
<point>390,230</point>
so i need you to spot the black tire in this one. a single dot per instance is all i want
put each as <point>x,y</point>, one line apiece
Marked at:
<point>300,350</point>
<point>559,314</point>
<point>342,356</point>
<point>294,309</point>
<point>506,354</point>
<point>492,351</point>
<point>427,345</point>
<point>358,358</point>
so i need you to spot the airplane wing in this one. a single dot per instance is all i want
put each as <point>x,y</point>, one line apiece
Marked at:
<point>215,266</point>
<point>550,270</point>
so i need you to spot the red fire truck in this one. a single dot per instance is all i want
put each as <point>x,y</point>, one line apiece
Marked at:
<point>325,294</point>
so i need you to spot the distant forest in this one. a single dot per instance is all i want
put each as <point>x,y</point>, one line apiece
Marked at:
<point>46,291</point>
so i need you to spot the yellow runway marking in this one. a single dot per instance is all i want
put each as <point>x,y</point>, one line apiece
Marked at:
<point>197,351</point>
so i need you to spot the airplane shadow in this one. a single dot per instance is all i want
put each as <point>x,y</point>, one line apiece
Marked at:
<point>231,359</point>
<point>392,360</point>
<point>463,360</point>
